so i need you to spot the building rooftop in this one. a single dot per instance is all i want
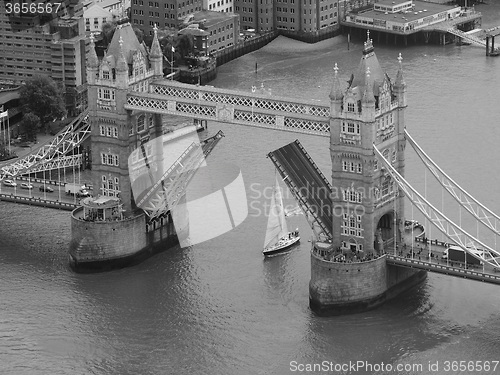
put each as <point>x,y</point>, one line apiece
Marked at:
<point>130,45</point>
<point>210,17</point>
<point>421,9</point>
<point>193,31</point>
<point>100,202</point>
<point>392,2</point>
<point>108,3</point>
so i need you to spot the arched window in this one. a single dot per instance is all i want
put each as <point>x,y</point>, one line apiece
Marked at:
<point>386,154</point>
<point>140,123</point>
<point>386,186</point>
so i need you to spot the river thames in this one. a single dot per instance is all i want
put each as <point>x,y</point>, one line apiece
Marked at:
<point>219,308</point>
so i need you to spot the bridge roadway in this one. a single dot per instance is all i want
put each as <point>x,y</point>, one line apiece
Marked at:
<point>306,182</point>
<point>428,256</point>
<point>56,199</point>
<point>440,266</point>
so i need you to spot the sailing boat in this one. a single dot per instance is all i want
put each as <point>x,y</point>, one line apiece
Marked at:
<point>278,238</point>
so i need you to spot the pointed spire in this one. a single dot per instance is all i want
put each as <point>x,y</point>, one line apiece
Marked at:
<point>121,64</point>
<point>336,92</point>
<point>368,94</point>
<point>399,77</point>
<point>368,45</point>
<point>93,61</point>
<point>155,46</point>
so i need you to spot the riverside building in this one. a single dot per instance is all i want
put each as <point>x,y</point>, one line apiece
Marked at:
<point>50,41</point>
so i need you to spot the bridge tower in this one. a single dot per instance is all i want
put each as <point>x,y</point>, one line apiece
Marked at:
<point>350,274</point>
<point>369,211</point>
<point>115,132</point>
<point>107,231</point>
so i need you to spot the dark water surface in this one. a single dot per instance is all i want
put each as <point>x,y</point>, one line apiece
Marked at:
<point>218,307</point>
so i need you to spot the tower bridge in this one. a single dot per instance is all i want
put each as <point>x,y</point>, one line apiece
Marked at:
<point>351,269</point>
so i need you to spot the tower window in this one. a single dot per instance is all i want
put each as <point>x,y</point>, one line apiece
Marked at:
<point>140,123</point>
<point>350,107</point>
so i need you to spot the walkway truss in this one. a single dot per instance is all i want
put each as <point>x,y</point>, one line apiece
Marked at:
<point>169,189</point>
<point>53,155</point>
<point>244,108</point>
<point>451,230</point>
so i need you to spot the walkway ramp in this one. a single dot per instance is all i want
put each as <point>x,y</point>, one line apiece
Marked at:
<point>309,186</point>
<point>468,37</point>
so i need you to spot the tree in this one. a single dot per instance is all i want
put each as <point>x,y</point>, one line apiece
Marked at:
<point>185,45</point>
<point>41,97</point>
<point>108,30</point>
<point>138,33</point>
<point>30,125</point>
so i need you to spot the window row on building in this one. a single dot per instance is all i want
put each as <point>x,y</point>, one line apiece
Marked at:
<point>108,131</point>
<point>110,159</point>
<point>110,186</point>
<point>353,167</point>
<point>350,127</point>
<point>351,225</point>
<point>351,195</point>
<point>106,94</point>
<point>389,155</point>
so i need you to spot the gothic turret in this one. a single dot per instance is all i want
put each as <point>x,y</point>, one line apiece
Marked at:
<point>336,94</point>
<point>368,100</point>
<point>156,56</point>
<point>92,62</point>
<point>400,84</point>
<point>121,68</point>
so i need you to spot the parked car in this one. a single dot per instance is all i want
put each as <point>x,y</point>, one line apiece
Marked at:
<point>26,185</point>
<point>46,188</point>
<point>9,183</point>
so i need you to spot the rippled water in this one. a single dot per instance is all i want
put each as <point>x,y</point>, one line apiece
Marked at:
<point>219,308</point>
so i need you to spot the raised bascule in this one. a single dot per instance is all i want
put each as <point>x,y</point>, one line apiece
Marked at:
<point>359,257</point>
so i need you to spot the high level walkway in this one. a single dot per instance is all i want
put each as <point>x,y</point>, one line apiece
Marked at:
<point>309,186</point>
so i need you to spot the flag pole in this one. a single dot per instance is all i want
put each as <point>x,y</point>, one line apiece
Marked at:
<point>8,129</point>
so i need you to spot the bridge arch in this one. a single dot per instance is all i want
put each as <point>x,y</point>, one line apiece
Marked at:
<point>384,231</point>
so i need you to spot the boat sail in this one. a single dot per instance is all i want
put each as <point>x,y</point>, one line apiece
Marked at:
<point>278,238</point>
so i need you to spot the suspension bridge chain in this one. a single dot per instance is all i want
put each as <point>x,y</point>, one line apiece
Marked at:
<point>53,155</point>
<point>467,201</point>
<point>167,191</point>
<point>451,230</point>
